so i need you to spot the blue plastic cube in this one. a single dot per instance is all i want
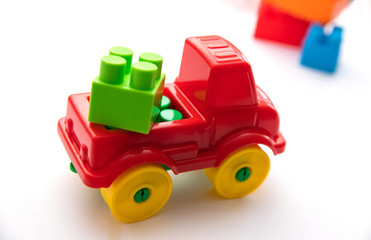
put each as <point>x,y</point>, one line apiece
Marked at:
<point>321,51</point>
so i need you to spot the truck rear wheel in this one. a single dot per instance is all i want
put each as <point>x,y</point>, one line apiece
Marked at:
<point>240,173</point>
<point>138,193</point>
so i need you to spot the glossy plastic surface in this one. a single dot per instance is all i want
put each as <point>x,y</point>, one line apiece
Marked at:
<point>321,50</point>
<point>310,10</point>
<point>127,95</point>
<point>149,180</point>
<point>276,25</point>
<point>241,173</point>
<point>222,108</point>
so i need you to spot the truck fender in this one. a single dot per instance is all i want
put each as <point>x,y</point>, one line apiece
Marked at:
<point>137,157</point>
<point>234,142</point>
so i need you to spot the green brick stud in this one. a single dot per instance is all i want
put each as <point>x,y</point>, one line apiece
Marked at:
<point>112,69</point>
<point>152,58</point>
<point>165,102</point>
<point>143,75</point>
<point>170,115</point>
<point>125,53</point>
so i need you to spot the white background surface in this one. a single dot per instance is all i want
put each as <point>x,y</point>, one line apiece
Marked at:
<point>318,189</point>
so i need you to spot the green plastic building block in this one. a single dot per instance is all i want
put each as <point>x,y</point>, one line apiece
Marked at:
<point>170,115</point>
<point>165,102</point>
<point>126,95</point>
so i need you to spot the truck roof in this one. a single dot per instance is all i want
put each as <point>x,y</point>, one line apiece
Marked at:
<point>214,74</point>
<point>216,50</point>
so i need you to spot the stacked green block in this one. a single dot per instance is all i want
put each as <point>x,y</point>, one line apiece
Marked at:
<point>165,103</point>
<point>166,113</point>
<point>126,95</point>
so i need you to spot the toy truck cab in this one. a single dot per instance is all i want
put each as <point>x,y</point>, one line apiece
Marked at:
<point>225,117</point>
<point>218,80</point>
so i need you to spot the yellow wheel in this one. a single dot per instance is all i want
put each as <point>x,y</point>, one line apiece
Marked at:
<point>240,173</point>
<point>138,193</point>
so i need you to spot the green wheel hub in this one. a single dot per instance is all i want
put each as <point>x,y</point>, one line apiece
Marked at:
<point>142,195</point>
<point>243,174</point>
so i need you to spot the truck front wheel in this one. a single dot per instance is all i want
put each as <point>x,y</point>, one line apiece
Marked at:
<point>240,173</point>
<point>138,193</point>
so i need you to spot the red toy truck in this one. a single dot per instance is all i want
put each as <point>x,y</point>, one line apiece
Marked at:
<point>225,117</point>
